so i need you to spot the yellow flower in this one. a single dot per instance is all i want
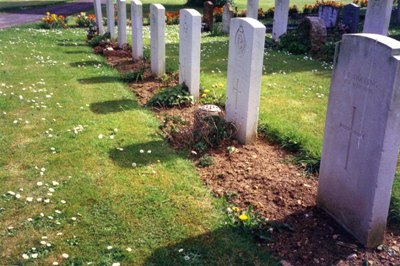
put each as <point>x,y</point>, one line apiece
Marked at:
<point>243,217</point>
<point>204,95</point>
<point>206,90</point>
<point>236,209</point>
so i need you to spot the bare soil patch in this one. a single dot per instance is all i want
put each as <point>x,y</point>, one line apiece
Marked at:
<point>264,176</point>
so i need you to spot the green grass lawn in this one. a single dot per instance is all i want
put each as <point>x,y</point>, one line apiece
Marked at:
<point>70,134</point>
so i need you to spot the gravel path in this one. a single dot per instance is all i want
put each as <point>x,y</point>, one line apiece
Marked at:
<point>14,18</point>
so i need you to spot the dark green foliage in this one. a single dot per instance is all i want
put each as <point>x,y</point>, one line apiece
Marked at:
<point>200,3</point>
<point>134,76</point>
<point>327,52</point>
<point>206,161</point>
<point>295,42</point>
<point>175,96</point>
<point>96,40</point>
<point>212,132</point>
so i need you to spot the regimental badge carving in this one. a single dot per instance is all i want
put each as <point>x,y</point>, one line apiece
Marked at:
<point>240,41</point>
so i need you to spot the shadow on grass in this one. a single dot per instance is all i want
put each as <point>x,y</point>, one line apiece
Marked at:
<point>90,63</point>
<point>159,151</point>
<point>68,43</point>
<point>101,79</point>
<point>224,246</point>
<point>76,52</point>
<point>113,106</point>
<point>228,246</point>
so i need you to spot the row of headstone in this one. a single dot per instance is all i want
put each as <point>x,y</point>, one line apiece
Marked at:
<point>99,16</point>
<point>361,140</point>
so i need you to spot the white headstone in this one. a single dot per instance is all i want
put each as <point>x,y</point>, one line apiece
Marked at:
<point>281,16</point>
<point>252,9</point>
<point>99,17</point>
<point>110,18</point>
<point>377,19</point>
<point>157,34</point>
<point>121,23</point>
<point>226,17</point>
<point>137,29</point>
<point>361,141</point>
<point>246,54</point>
<point>189,50</point>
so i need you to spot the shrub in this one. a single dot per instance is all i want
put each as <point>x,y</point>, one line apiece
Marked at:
<point>217,30</point>
<point>172,17</point>
<point>212,131</point>
<point>293,11</point>
<point>295,42</point>
<point>261,14</point>
<point>133,76</point>
<point>208,96</point>
<point>215,2</point>
<point>270,12</point>
<point>97,39</point>
<point>84,21</point>
<point>206,161</point>
<point>361,3</point>
<point>53,21</point>
<point>217,13</point>
<point>170,97</point>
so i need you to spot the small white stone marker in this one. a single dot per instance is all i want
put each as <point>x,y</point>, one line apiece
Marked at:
<point>189,50</point>
<point>99,17</point>
<point>137,29</point>
<point>110,18</point>
<point>361,142</point>
<point>246,54</point>
<point>121,23</point>
<point>281,16</point>
<point>157,35</point>
<point>378,15</point>
<point>252,9</point>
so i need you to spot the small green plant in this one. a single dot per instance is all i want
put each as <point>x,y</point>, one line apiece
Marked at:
<point>231,150</point>
<point>176,96</point>
<point>210,96</point>
<point>54,21</point>
<point>171,125</point>
<point>133,76</point>
<point>96,40</point>
<point>217,30</point>
<point>167,79</point>
<point>248,221</point>
<point>84,21</point>
<point>201,147</point>
<point>206,161</point>
<point>295,43</point>
<point>212,131</point>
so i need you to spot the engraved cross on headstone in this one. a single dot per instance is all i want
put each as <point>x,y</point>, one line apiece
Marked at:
<point>352,132</point>
<point>237,92</point>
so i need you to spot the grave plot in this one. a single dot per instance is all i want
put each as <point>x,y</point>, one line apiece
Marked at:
<point>268,198</point>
